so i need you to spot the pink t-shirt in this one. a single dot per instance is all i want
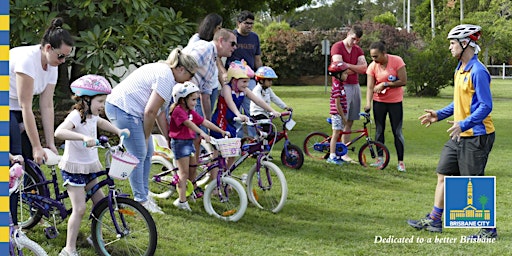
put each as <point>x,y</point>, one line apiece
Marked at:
<point>392,94</point>
<point>351,58</point>
<point>177,128</point>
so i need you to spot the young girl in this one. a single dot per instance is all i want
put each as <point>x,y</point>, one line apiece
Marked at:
<point>183,127</point>
<point>79,163</point>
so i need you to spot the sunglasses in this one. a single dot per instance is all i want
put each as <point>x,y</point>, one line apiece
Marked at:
<point>60,56</point>
<point>233,44</point>
<point>248,23</point>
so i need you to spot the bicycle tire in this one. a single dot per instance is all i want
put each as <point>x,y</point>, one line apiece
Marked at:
<point>138,227</point>
<point>310,141</point>
<point>271,195</point>
<point>161,188</point>
<point>295,157</point>
<point>31,215</point>
<point>369,152</point>
<point>23,245</point>
<point>230,208</point>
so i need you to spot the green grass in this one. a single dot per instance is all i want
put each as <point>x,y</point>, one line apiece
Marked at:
<point>340,210</point>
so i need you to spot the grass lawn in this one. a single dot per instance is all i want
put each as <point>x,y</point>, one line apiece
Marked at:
<point>340,210</point>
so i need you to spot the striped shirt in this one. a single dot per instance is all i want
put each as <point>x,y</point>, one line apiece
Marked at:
<point>132,94</point>
<point>205,54</point>
<point>337,91</point>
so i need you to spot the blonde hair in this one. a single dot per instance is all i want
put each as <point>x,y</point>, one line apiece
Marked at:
<point>177,58</point>
<point>224,33</point>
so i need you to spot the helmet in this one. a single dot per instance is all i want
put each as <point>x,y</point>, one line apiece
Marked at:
<point>465,31</point>
<point>182,90</point>
<point>91,85</point>
<point>337,67</point>
<point>239,69</point>
<point>265,73</point>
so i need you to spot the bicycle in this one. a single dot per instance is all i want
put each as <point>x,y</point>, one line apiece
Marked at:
<point>316,145</point>
<point>261,187</point>
<point>291,155</point>
<point>19,243</point>
<point>119,225</point>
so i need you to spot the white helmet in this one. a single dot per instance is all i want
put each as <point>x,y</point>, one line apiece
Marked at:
<point>182,90</point>
<point>465,31</point>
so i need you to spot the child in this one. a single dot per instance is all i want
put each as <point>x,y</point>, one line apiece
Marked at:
<point>264,78</point>
<point>338,108</point>
<point>79,163</point>
<point>183,126</point>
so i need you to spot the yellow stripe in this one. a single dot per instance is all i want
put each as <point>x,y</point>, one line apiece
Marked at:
<point>4,143</point>
<point>4,22</point>
<point>4,204</point>
<point>4,52</point>
<point>4,232</point>
<point>4,114</point>
<point>4,83</point>
<point>4,173</point>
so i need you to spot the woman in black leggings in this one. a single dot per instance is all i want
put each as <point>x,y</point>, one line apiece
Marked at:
<point>386,76</point>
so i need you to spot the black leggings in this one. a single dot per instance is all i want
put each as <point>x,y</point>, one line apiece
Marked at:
<point>396,117</point>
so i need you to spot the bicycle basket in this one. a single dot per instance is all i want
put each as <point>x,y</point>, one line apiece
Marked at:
<point>229,147</point>
<point>122,165</point>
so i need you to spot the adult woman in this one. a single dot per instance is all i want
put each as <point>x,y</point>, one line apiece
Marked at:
<point>33,71</point>
<point>386,76</point>
<point>140,100</point>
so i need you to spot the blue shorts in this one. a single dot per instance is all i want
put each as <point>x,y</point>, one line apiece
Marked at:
<point>77,179</point>
<point>182,148</point>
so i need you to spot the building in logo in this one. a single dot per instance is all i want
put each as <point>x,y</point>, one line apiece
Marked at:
<point>470,202</point>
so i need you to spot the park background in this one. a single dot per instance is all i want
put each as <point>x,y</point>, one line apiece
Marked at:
<point>330,210</point>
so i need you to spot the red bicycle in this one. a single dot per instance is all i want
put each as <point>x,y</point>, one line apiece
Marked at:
<point>371,154</point>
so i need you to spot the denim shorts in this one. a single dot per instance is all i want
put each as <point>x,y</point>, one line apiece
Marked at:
<point>76,179</point>
<point>337,123</point>
<point>182,148</point>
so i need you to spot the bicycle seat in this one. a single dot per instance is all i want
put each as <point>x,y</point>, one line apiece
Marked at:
<point>329,120</point>
<point>160,146</point>
<point>53,159</point>
<point>364,114</point>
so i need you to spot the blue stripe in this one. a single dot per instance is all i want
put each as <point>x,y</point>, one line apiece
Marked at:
<point>4,128</point>
<point>4,68</point>
<point>4,7</point>
<point>4,219</point>
<point>4,98</point>
<point>4,37</point>
<point>4,158</point>
<point>4,188</point>
<point>4,247</point>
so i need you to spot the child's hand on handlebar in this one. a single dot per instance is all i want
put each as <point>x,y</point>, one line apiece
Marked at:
<point>226,134</point>
<point>289,109</point>
<point>124,132</point>
<point>89,142</point>
<point>276,114</point>
<point>243,118</point>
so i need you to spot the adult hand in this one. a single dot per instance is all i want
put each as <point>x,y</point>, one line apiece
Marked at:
<point>367,109</point>
<point>455,130</point>
<point>428,118</point>
<point>39,155</point>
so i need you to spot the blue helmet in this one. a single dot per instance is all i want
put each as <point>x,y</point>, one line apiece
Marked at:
<point>265,73</point>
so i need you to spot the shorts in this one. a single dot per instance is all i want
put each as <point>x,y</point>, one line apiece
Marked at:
<point>77,179</point>
<point>353,96</point>
<point>182,148</point>
<point>467,157</point>
<point>337,123</point>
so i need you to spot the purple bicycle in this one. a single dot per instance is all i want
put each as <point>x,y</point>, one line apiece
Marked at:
<point>120,225</point>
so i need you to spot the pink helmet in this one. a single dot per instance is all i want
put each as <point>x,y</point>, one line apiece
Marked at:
<point>337,67</point>
<point>91,85</point>
<point>239,69</point>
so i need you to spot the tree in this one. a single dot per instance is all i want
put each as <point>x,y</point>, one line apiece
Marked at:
<point>483,201</point>
<point>386,18</point>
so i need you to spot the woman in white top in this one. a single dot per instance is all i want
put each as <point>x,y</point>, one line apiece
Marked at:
<point>33,71</point>
<point>137,102</point>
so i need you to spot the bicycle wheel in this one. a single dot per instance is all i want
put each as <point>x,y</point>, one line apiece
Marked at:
<point>160,186</point>
<point>267,188</point>
<point>137,227</point>
<point>29,215</point>
<point>314,138</point>
<point>229,204</point>
<point>369,155</point>
<point>22,245</point>
<point>294,159</point>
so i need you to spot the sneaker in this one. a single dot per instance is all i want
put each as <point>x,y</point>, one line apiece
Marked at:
<point>152,207</point>
<point>379,162</point>
<point>182,205</point>
<point>63,252</point>
<point>347,159</point>
<point>401,167</point>
<point>427,223</point>
<point>484,233</point>
<point>337,161</point>
<point>153,202</point>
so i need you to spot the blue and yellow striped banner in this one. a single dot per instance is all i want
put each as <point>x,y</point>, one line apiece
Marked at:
<point>4,126</point>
